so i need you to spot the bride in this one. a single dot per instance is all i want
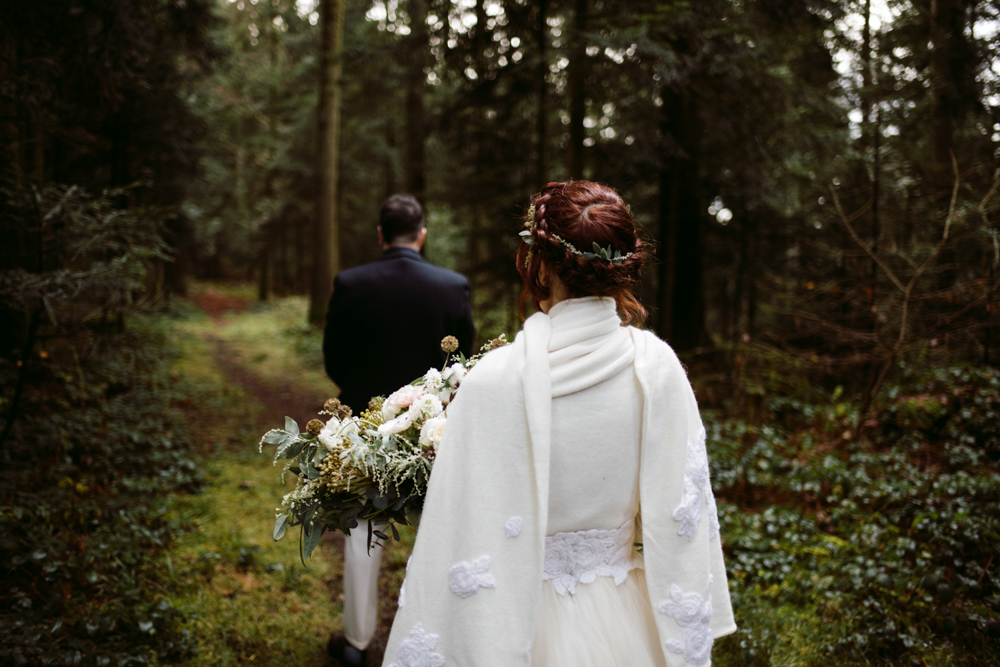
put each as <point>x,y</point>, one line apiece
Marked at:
<point>569,520</point>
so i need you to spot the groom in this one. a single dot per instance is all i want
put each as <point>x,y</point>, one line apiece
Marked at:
<point>384,327</point>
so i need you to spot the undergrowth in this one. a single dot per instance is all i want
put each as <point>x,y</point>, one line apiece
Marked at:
<point>94,452</point>
<point>871,549</point>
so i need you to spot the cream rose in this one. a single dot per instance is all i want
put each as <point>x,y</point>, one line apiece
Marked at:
<point>431,432</point>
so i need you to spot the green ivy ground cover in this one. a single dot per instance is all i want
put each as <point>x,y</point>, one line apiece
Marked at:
<point>97,448</point>
<point>841,549</point>
<point>880,549</point>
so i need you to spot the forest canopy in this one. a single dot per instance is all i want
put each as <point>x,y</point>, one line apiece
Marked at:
<point>818,176</point>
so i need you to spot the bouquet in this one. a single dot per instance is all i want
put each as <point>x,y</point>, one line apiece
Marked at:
<point>370,467</point>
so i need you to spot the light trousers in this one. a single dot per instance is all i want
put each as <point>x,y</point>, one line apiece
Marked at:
<point>361,572</point>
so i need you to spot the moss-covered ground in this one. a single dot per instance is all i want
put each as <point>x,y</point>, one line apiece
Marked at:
<point>250,599</point>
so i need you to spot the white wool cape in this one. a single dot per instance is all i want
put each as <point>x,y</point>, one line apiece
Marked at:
<point>493,466</point>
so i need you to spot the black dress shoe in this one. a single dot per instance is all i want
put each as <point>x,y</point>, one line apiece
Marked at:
<point>343,653</point>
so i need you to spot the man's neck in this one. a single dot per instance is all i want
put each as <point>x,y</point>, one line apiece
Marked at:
<point>411,246</point>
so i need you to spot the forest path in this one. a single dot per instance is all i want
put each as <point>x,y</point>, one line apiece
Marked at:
<point>276,396</point>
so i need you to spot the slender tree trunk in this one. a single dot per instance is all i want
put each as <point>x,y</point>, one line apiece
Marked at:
<point>542,110</point>
<point>326,234</point>
<point>682,309</point>
<point>416,125</point>
<point>743,269</point>
<point>946,28</point>
<point>389,165</point>
<point>577,79</point>
<point>266,235</point>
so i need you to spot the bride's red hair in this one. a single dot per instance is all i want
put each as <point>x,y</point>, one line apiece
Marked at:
<point>583,213</point>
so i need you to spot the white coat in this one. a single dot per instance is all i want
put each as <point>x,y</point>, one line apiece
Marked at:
<point>473,585</point>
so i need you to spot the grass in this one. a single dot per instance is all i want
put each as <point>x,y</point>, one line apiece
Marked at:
<point>249,598</point>
<point>271,338</point>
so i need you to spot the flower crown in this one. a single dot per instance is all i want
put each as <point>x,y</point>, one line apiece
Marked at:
<point>609,254</point>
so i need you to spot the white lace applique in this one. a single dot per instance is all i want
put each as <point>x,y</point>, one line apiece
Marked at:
<point>584,555</point>
<point>697,489</point>
<point>467,578</point>
<point>513,526</point>
<point>692,613</point>
<point>416,650</point>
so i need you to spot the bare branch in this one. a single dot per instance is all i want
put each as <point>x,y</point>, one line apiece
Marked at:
<point>847,223</point>
<point>954,196</point>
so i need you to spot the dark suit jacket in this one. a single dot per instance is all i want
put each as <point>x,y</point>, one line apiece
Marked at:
<point>385,324</point>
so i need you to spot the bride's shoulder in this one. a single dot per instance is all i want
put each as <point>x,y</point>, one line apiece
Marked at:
<point>653,350</point>
<point>495,367</point>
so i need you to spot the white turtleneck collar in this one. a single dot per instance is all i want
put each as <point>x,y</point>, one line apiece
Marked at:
<point>588,344</point>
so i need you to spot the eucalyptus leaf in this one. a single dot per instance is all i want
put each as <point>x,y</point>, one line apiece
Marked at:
<point>291,426</point>
<point>311,533</point>
<point>280,526</point>
<point>275,437</point>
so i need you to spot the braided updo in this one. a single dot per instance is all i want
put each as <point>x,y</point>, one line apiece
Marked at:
<point>580,214</point>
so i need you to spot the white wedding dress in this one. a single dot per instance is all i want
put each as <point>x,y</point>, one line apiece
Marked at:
<point>526,550</point>
<point>595,607</point>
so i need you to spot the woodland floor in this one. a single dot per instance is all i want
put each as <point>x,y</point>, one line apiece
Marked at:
<point>266,385</point>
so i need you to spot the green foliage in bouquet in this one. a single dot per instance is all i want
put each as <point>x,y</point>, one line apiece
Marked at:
<point>373,467</point>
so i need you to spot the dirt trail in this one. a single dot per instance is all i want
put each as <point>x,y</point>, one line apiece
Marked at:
<point>301,403</point>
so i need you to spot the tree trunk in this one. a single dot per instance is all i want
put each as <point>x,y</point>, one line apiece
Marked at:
<point>946,28</point>
<point>682,309</point>
<point>542,110</point>
<point>577,78</point>
<point>326,233</point>
<point>416,125</point>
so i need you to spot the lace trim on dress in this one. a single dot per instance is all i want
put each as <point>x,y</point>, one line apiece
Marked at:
<point>418,650</point>
<point>697,490</point>
<point>465,578</point>
<point>694,614</point>
<point>584,555</point>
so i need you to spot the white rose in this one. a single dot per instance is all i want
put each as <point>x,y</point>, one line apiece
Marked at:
<point>397,425</point>
<point>431,432</point>
<point>328,436</point>
<point>454,374</point>
<point>335,431</point>
<point>400,399</point>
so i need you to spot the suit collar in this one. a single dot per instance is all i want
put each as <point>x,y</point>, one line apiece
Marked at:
<point>396,252</point>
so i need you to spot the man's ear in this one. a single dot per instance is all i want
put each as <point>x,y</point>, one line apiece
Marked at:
<point>381,237</point>
<point>422,237</point>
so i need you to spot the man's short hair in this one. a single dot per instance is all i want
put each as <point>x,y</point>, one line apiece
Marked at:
<point>401,218</point>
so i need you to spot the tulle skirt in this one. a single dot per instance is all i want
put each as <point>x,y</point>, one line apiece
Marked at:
<point>601,625</point>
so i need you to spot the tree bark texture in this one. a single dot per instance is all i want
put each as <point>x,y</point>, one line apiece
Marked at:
<point>326,232</point>
<point>682,308</point>
<point>577,79</point>
<point>947,26</point>
<point>542,111</point>
<point>416,123</point>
